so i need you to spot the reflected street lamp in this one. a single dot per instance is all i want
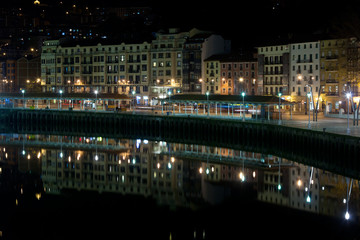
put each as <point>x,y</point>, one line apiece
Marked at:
<point>348,194</point>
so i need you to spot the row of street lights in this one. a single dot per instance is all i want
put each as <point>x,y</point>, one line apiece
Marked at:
<point>243,98</point>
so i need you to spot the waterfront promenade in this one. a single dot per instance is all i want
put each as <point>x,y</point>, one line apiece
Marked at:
<point>192,106</point>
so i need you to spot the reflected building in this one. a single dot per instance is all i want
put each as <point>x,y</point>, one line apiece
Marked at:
<point>176,175</point>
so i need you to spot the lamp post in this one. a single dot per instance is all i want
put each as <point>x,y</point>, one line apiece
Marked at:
<point>279,94</point>
<point>60,91</point>
<point>348,95</point>
<point>207,99</point>
<point>243,96</point>
<point>309,95</point>
<point>133,93</point>
<point>169,92</point>
<point>23,93</point>
<point>96,93</point>
<point>241,81</point>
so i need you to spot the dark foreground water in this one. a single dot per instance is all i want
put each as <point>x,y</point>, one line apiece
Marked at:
<point>66,187</point>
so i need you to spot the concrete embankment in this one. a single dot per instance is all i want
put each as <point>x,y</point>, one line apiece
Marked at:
<point>337,153</point>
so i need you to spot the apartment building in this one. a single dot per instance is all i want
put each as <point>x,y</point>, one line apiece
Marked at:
<point>146,71</point>
<point>167,62</point>
<point>274,69</point>
<point>237,74</point>
<point>119,69</point>
<point>334,73</point>
<point>305,71</point>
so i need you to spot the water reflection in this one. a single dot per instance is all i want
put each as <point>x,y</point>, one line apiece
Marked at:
<point>175,175</point>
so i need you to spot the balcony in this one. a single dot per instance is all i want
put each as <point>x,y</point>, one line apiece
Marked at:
<point>332,57</point>
<point>331,81</point>
<point>332,94</point>
<point>304,61</point>
<point>332,69</point>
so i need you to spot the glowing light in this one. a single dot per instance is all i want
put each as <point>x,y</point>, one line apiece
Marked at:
<point>308,199</point>
<point>200,170</point>
<point>347,215</point>
<point>242,176</point>
<point>38,196</point>
<point>96,157</point>
<point>299,183</point>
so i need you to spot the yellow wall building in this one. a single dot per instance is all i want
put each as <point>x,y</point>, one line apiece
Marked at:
<point>212,81</point>
<point>333,73</point>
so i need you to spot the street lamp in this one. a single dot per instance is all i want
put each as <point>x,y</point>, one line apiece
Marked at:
<point>207,98</point>
<point>60,91</point>
<point>169,92</point>
<point>348,96</point>
<point>133,93</point>
<point>243,96</point>
<point>279,94</point>
<point>309,95</point>
<point>23,93</point>
<point>241,80</point>
<point>96,93</point>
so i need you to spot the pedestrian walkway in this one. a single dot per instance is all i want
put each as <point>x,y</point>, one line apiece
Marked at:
<point>327,124</point>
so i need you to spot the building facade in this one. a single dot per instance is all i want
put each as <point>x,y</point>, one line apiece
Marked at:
<point>167,62</point>
<point>334,73</point>
<point>28,74</point>
<point>305,71</point>
<point>146,71</point>
<point>237,74</point>
<point>212,79</point>
<point>121,69</point>
<point>274,69</point>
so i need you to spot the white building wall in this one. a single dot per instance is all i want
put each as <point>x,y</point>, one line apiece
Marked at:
<point>304,69</point>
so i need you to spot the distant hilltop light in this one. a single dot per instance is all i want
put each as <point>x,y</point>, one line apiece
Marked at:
<point>36,2</point>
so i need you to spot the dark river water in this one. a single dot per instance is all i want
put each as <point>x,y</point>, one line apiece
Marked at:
<point>75,187</point>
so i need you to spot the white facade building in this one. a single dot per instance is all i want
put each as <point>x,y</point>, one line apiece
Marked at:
<point>304,70</point>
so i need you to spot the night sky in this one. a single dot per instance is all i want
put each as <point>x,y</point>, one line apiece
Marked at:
<point>248,23</point>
